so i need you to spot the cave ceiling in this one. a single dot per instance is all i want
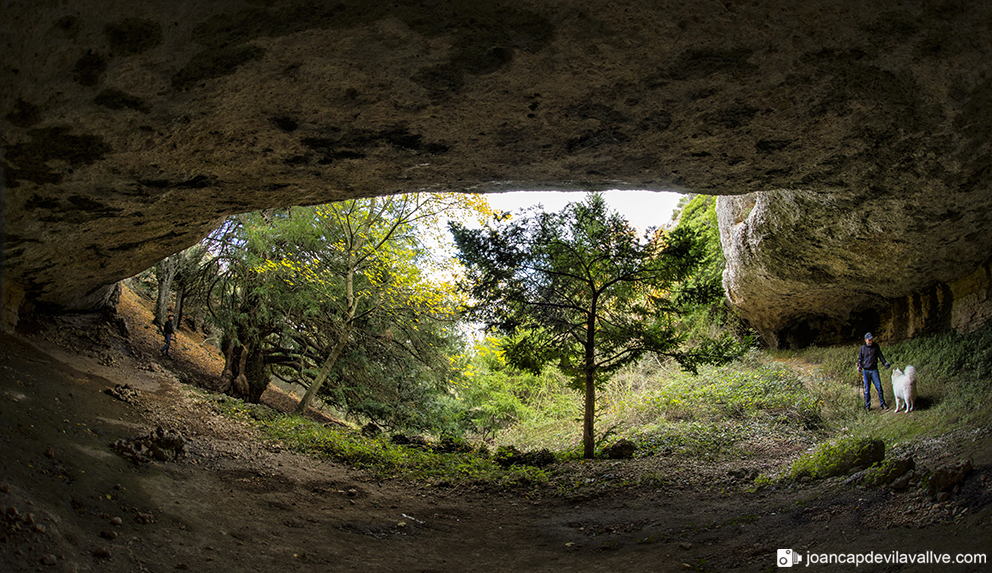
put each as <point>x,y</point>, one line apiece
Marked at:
<point>130,129</point>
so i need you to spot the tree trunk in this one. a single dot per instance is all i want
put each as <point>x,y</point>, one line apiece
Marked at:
<point>180,305</point>
<point>227,376</point>
<point>351,310</point>
<point>239,386</point>
<point>165,270</point>
<point>588,435</point>
<point>325,370</point>
<point>589,417</point>
<point>255,374</point>
<point>244,373</point>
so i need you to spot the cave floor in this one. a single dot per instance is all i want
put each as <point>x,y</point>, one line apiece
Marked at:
<point>236,501</point>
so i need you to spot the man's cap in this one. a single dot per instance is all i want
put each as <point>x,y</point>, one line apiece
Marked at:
<point>868,336</point>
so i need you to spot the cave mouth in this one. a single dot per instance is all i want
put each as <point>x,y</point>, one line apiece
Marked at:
<point>823,330</point>
<point>642,208</point>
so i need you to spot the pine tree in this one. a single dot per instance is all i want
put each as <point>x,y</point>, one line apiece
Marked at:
<point>582,289</point>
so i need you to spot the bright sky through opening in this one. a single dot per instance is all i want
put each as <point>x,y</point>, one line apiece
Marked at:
<point>642,208</point>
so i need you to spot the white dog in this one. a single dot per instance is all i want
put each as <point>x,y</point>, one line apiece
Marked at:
<point>904,387</point>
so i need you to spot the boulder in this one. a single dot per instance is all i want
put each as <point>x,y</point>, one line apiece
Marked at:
<point>946,476</point>
<point>622,449</point>
<point>824,267</point>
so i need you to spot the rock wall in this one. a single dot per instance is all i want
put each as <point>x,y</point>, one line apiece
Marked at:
<point>825,268</point>
<point>129,129</point>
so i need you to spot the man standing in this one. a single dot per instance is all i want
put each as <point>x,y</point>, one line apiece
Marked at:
<point>167,330</point>
<point>868,358</point>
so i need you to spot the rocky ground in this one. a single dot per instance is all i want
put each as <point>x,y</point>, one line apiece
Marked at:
<point>114,459</point>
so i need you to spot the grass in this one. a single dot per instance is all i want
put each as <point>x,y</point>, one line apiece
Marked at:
<point>838,457</point>
<point>722,412</point>
<point>379,456</point>
<point>954,376</point>
<point>802,397</point>
<point>765,400</point>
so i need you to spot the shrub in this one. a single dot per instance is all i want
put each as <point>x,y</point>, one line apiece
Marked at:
<point>838,457</point>
<point>385,459</point>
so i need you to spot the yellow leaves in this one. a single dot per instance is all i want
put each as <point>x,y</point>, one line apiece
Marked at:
<point>292,271</point>
<point>490,346</point>
<point>377,247</point>
<point>460,206</point>
<point>265,267</point>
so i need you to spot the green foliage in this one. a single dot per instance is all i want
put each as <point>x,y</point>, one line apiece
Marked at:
<point>545,278</point>
<point>497,396</point>
<point>337,298</point>
<point>954,373</point>
<point>240,409</point>
<point>838,457</point>
<point>725,411</point>
<point>740,391</point>
<point>450,461</point>
<point>889,469</point>
<point>733,411</point>
<point>953,392</point>
<point>705,285</point>
<point>192,271</point>
<point>377,379</point>
<point>580,289</point>
<point>948,355</point>
<point>387,460</point>
<point>506,456</point>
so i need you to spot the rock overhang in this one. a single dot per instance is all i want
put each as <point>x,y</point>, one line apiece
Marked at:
<point>129,130</point>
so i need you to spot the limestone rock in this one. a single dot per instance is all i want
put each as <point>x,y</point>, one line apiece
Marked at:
<point>161,444</point>
<point>888,471</point>
<point>507,456</point>
<point>946,476</point>
<point>826,267</point>
<point>124,393</point>
<point>623,449</point>
<point>129,130</point>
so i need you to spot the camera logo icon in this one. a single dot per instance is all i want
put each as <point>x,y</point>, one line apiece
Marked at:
<point>787,557</point>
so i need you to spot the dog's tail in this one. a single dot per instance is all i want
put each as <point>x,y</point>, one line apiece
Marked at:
<point>911,374</point>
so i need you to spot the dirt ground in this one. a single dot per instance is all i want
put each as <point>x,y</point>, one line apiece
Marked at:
<point>235,502</point>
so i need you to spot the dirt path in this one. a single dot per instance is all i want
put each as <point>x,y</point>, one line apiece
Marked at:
<point>233,502</point>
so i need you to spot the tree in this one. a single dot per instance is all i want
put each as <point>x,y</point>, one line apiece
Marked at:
<point>371,265</point>
<point>580,288</point>
<point>375,246</point>
<point>188,281</point>
<point>705,286</point>
<point>241,301</point>
<point>165,270</point>
<point>300,286</point>
<point>183,274</point>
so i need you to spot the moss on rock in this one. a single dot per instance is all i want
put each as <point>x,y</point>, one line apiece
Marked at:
<point>887,471</point>
<point>838,457</point>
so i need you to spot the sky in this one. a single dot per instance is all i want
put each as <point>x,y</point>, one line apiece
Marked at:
<point>642,208</point>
